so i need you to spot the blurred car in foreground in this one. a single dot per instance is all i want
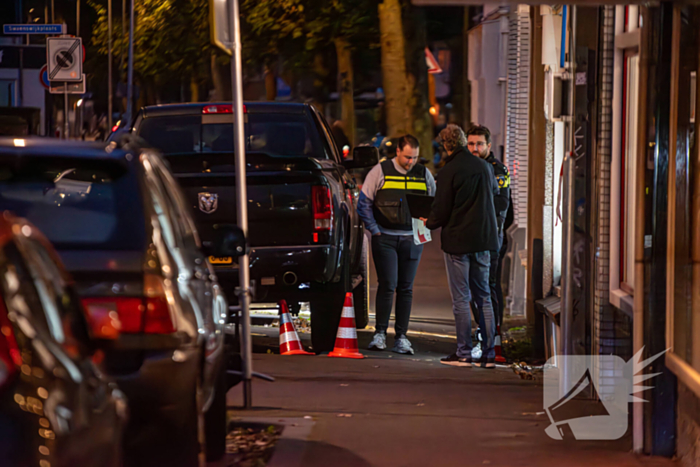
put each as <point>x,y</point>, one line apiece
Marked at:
<point>55,406</point>
<point>118,220</point>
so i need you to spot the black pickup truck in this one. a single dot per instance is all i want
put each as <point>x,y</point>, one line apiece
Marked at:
<point>307,241</point>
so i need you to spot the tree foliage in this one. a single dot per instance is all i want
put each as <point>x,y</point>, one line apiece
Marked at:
<point>298,29</point>
<point>171,37</point>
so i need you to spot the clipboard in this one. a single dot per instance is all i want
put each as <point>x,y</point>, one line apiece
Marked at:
<point>419,205</point>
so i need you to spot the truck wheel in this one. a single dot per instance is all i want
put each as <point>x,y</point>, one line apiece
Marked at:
<point>326,308</point>
<point>360,295</point>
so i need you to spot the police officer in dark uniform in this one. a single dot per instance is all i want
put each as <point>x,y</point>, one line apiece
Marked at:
<point>501,203</point>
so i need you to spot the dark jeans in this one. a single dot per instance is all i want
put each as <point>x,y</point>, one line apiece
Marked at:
<point>396,259</point>
<point>500,304</point>
<point>468,277</point>
<point>494,286</point>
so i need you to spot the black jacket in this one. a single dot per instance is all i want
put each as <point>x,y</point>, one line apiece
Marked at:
<point>463,205</point>
<point>502,200</point>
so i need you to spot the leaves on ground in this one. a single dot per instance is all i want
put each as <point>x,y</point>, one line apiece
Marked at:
<point>247,447</point>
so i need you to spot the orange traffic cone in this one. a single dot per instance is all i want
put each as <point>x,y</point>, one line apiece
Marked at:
<point>289,339</point>
<point>497,346</point>
<point>346,339</point>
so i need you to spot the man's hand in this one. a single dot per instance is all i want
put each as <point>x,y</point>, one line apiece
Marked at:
<point>423,219</point>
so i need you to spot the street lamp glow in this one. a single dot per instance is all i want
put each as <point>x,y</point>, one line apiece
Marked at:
<point>80,102</point>
<point>19,143</point>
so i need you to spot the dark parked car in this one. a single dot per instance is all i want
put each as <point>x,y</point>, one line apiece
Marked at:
<point>307,241</point>
<point>56,408</point>
<point>123,230</point>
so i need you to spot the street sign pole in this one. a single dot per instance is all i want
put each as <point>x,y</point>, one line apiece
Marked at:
<point>241,200</point>
<point>130,73</point>
<point>66,125</point>
<point>109,65</point>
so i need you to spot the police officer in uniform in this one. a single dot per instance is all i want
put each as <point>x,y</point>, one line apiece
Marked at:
<point>501,203</point>
<point>384,210</point>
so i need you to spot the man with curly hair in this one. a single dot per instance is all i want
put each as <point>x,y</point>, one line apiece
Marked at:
<point>464,209</point>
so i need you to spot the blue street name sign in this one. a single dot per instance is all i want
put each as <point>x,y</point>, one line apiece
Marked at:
<point>32,29</point>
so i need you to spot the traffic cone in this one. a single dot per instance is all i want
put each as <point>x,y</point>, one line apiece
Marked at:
<point>497,346</point>
<point>289,339</point>
<point>346,339</point>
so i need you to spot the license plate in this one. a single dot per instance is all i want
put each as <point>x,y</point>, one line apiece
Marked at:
<point>220,260</point>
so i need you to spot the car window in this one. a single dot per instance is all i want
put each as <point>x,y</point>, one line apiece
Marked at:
<point>173,134</point>
<point>178,205</point>
<point>329,143</point>
<point>275,134</point>
<point>77,207</point>
<point>162,208</point>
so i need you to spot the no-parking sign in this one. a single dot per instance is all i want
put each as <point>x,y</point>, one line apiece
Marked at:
<point>44,77</point>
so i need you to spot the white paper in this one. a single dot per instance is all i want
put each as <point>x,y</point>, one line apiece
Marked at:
<point>421,234</point>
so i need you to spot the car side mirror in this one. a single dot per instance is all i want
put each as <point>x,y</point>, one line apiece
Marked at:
<point>362,157</point>
<point>229,241</point>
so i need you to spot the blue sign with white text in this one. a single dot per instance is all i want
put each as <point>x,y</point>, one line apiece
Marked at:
<point>32,29</point>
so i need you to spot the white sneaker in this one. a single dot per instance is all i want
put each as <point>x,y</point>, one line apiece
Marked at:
<point>378,342</point>
<point>476,352</point>
<point>403,345</point>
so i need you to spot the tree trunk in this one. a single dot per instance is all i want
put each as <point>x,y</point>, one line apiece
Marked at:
<point>270,84</point>
<point>417,80</point>
<point>194,89</point>
<point>217,80</point>
<point>345,88</point>
<point>321,73</point>
<point>394,68</point>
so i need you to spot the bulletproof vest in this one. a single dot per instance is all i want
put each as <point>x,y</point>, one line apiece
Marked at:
<point>390,206</point>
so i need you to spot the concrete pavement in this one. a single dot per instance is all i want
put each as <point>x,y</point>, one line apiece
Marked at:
<point>394,410</point>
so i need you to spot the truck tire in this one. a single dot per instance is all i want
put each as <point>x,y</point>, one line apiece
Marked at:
<point>360,295</point>
<point>326,308</point>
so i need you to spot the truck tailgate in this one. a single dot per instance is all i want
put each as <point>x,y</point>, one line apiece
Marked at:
<point>279,203</point>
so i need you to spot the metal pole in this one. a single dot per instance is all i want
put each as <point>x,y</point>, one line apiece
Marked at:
<point>21,77</point>
<point>123,52</point>
<point>53,21</point>
<point>109,66</point>
<point>77,18</point>
<point>567,299</point>
<point>66,125</point>
<point>241,201</point>
<point>130,76</point>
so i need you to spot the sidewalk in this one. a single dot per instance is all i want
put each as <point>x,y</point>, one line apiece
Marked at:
<point>392,410</point>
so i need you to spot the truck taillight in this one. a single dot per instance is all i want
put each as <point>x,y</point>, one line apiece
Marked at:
<point>220,109</point>
<point>10,358</point>
<point>149,314</point>
<point>322,208</point>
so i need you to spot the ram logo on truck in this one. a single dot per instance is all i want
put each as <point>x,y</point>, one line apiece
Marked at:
<point>208,202</point>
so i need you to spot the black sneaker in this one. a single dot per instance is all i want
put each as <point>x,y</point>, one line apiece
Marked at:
<point>454,360</point>
<point>484,362</point>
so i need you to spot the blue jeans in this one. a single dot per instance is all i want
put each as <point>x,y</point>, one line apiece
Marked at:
<point>468,277</point>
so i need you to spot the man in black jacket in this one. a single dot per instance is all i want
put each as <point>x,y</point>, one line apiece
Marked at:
<point>501,202</point>
<point>464,209</point>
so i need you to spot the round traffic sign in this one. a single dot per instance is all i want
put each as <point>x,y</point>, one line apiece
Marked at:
<point>44,77</point>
